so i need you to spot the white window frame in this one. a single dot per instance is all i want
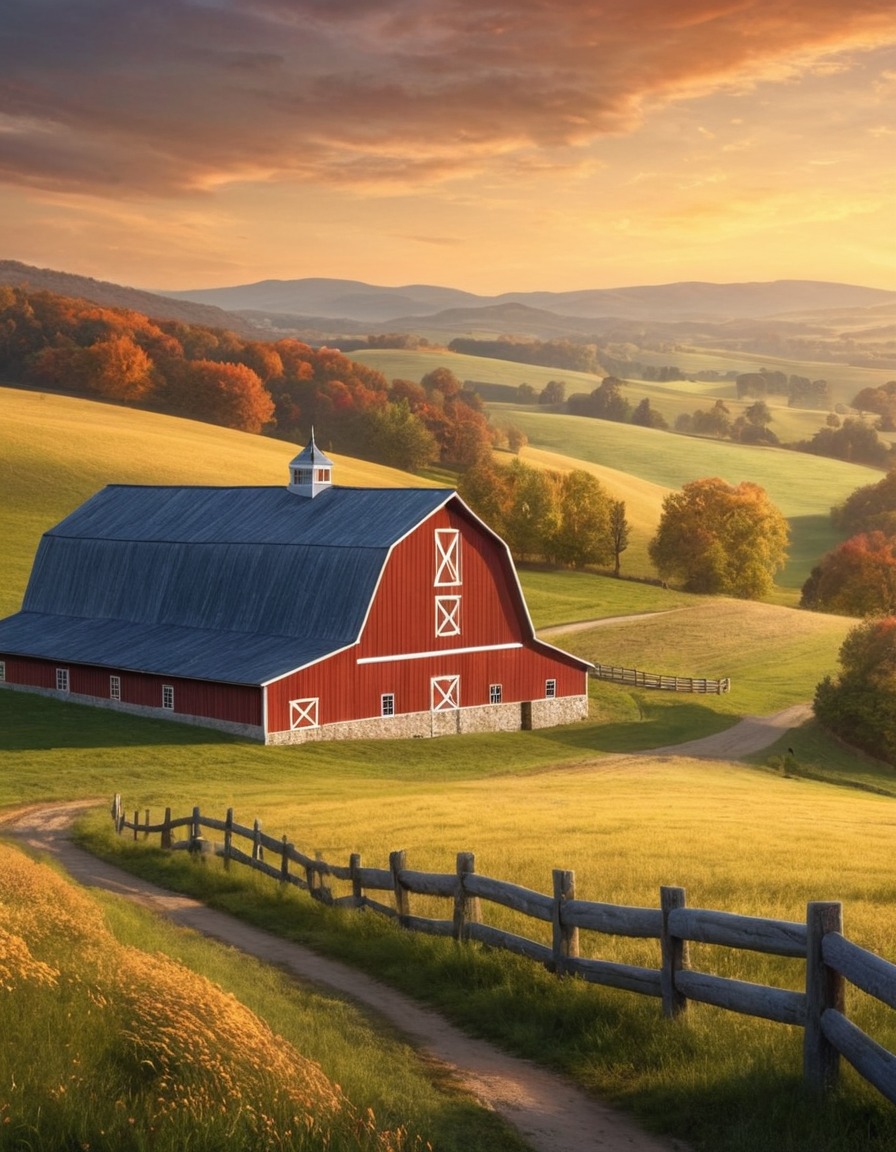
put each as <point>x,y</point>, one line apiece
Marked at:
<point>114,687</point>
<point>495,694</point>
<point>447,615</point>
<point>168,697</point>
<point>2,670</point>
<point>448,571</point>
<point>445,693</point>
<point>387,704</point>
<point>62,680</point>
<point>550,689</point>
<point>304,713</point>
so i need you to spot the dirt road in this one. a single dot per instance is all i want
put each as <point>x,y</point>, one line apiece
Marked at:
<point>551,1113</point>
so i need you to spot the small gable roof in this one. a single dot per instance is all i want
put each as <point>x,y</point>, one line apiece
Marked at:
<point>155,579</point>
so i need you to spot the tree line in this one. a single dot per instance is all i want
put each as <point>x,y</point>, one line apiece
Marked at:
<point>210,374</point>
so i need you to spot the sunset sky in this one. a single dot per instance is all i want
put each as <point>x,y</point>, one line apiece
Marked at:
<point>532,144</point>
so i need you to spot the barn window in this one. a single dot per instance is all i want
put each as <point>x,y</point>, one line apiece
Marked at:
<point>2,669</point>
<point>303,713</point>
<point>447,557</point>
<point>168,696</point>
<point>387,704</point>
<point>62,679</point>
<point>550,688</point>
<point>447,615</point>
<point>494,694</point>
<point>114,687</point>
<point>445,693</point>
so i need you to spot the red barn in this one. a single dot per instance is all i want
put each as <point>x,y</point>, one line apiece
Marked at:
<point>286,614</point>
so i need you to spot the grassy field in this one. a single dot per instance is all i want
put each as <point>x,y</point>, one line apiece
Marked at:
<point>640,465</point>
<point>742,837</point>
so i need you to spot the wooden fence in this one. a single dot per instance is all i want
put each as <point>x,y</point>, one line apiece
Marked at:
<point>831,960</point>
<point>656,680</point>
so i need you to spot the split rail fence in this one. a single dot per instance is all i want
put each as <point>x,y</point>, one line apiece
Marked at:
<point>655,680</point>
<point>831,959</point>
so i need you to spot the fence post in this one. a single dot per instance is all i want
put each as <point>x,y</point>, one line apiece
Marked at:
<point>146,829</point>
<point>257,849</point>
<point>824,989</point>
<point>466,908</point>
<point>228,838</point>
<point>136,821</point>
<point>397,861</point>
<point>354,866</point>
<point>195,830</point>
<point>116,808</point>
<point>284,862</point>
<point>674,952</point>
<point>566,939</point>
<point>166,829</point>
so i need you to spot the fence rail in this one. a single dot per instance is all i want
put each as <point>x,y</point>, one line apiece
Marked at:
<point>640,679</point>
<point>831,959</point>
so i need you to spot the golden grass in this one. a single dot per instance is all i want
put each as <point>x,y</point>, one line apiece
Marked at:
<point>165,1051</point>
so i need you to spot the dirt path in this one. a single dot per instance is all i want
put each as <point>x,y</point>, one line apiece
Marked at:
<point>551,1113</point>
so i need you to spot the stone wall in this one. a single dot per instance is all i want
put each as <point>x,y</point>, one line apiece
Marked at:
<point>451,722</point>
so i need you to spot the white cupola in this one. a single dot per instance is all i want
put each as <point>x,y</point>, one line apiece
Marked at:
<point>310,472</point>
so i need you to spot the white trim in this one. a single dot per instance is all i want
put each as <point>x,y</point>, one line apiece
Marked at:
<point>447,688</point>
<point>447,541</point>
<point>168,697</point>
<point>114,687</point>
<point>437,652</point>
<point>303,713</point>
<point>447,616</point>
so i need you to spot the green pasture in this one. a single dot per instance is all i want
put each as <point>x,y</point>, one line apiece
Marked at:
<point>804,487</point>
<point>590,796</point>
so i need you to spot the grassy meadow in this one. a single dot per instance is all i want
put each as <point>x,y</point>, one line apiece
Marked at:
<point>743,837</point>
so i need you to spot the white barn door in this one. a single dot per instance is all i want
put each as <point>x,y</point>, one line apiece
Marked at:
<point>445,693</point>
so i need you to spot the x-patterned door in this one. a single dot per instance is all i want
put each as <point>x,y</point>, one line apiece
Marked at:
<point>445,693</point>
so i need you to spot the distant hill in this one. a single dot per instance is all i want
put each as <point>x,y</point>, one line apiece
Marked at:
<point>357,301</point>
<point>116,296</point>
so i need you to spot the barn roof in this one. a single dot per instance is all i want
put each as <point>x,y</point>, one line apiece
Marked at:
<point>155,578</point>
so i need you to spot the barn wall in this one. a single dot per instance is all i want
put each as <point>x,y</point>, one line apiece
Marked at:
<point>236,705</point>
<point>490,718</point>
<point>348,691</point>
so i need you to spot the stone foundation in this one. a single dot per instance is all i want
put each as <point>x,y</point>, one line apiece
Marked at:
<point>547,713</point>
<point>451,722</point>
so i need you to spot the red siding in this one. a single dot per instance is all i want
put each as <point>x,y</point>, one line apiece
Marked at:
<point>232,702</point>
<point>402,623</point>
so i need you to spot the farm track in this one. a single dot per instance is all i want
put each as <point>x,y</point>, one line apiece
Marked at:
<point>551,1113</point>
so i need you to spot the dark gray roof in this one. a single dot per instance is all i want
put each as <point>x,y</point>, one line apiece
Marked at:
<point>239,585</point>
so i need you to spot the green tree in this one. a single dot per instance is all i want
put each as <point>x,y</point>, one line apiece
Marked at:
<point>531,515</point>
<point>869,508</point>
<point>553,392</point>
<point>582,534</point>
<point>619,532</point>
<point>720,538</point>
<point>646,417</point>
<point>859,705</point>
<point>395,436</point>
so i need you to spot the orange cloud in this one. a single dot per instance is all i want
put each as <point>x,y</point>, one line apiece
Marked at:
<point>159,97</point>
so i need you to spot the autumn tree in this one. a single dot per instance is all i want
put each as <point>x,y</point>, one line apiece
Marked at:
<point>859,704</point>
<point>854,441</point>
<point>858,578</point>
<point>720,538</point>
<point>118,369</point>
<point>227,394</point>
<point>531,516</point>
